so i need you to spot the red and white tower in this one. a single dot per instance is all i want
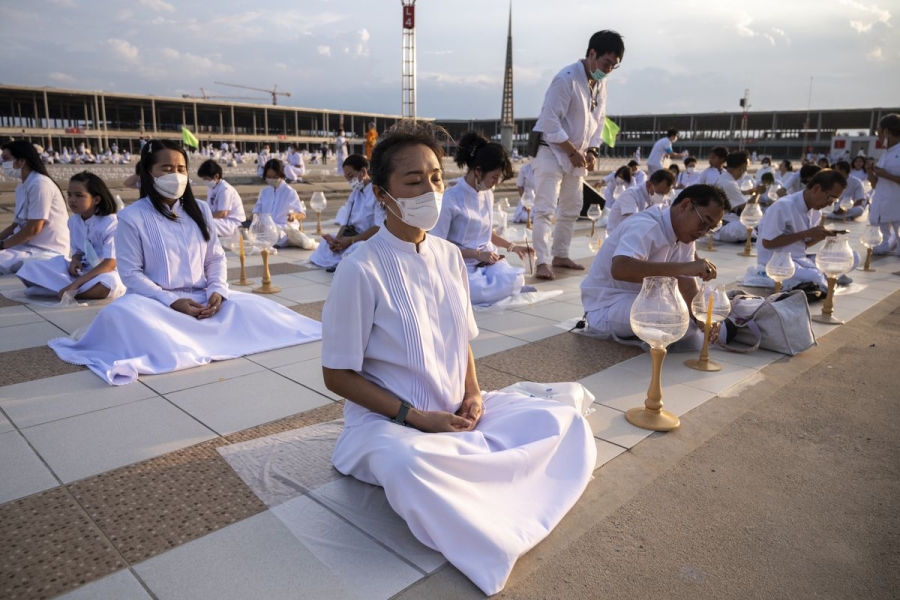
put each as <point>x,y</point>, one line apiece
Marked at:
<point>408,77</point>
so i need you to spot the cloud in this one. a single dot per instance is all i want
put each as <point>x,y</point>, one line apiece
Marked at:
<point>867,16</point>
<point>193,65</point>
<point>324,50</point>
<point>744,29</point>
<point>449,79</point>
<point>66,3</point>
<point>158,5</point>
<point>61,78</point>
<point>123,49</point>
<point>876,55</point>
<point>362,48</point>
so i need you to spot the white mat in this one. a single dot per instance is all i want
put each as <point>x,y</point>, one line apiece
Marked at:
<point>518,301</point>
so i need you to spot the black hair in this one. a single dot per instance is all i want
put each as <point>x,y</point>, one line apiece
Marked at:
<point>477,152</point>
<point>273,164</point>
<point>737,159</point>
<point>827,179</point>
<point>788,165</point>
<point>862,158</point>
<point>403,134</point>
<point>704,195</point>
<point>606,41</point>
<point>209,168</point>
<point>95,186</point>
<point>843,166</point>
<point>720,151</point>
<point>663,175</point>
<point>764,159</point>
<point>890,122</point>
<point>188,202</point>
<point>825,160</point>
<point>356,161</point>
<point>633,163</point>
<point>624,173</point>
<point>690,159</point>
<point>674,168</point>
<point>671,132</point>
<point>807,172</point>
<point>21,149</point>
<point>768,176</point>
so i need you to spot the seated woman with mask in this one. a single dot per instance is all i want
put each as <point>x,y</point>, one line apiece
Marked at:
<point>397,323</point>
<point>364,217</point>
<point>466,220</point>
<point>178,312</point>
<point>281,201</point>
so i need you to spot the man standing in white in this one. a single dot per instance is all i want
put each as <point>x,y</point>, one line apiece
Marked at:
<point>569,126</point>
<point>885,208</point>
<point>662,150</point>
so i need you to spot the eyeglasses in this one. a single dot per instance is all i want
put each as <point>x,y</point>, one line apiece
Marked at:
<point>608,66</point>
<point>703,222</point>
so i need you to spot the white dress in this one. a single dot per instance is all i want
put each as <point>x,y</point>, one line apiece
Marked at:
<point>279,202</point>
<point>364,212</point>
<point>223,196</point>
<point>161,261</point>
<point>466,220</point>
<point>37,198</point>
<point>525,179</point>
<point>401,318</point>
<point>93,239</point>
<point>341,153</point>
<point>885,208</point>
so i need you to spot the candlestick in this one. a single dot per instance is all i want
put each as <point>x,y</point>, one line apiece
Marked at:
<point>243,281</point>
<point>867,266</point>
<point>748,247</point>
<point>266,287</point>
<point>651,415</point>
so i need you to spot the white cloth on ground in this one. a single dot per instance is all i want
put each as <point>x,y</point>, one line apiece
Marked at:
<point>401,317</point>
<point>364,212</point>
<point>160,261</point>
<point>466,220</point>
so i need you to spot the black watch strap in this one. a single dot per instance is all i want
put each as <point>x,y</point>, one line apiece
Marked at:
<point>400,419</point>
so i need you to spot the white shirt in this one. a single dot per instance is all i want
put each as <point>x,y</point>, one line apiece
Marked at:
<point>98,231</point>
<point>788,215</point>
<point>296,160</point>
<point>646,236</point>
<point>633,200</point>
<point>659,151</point>
<point>38,198</point>
<point>611,183</point>
<point>859,174</point>
<point>885,206</point>
<point>566,114</point>
<point>157,257</point>
<point>525,179</point>
<point>402,319</point>
<point>709,176</point>
<point>688,179</point>
<point>364,210</point>
<point>731,189</point>
<point>223,196</point>
<point>854,190</point>
<point>466,218</point>
<point>279,202</point>
<point>639,178</point>
<point>762,171</point>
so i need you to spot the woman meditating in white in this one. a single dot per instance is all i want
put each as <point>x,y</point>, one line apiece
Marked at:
<point>480,479</point>
<point>466,220</point>
<point>178,312</point>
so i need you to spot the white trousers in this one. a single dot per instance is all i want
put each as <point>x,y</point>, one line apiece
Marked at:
<point>559,192</point>
<point>12,259</point>
<point>852,213</point>
<point>492,283</point>
<point>614,322</point>
<point>48,277</point>
<point>890,242</point>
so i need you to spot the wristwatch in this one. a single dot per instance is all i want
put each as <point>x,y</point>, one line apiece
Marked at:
<point>400,419</point>
<point>2,244</point>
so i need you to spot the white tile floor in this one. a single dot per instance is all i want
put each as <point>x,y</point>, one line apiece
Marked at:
<point>121,585</point>
<point>21,471</point>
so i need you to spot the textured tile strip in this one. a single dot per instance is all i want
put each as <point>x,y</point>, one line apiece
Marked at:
<point>4,301</point>
<point>32,363</point>
<point>329,412</point>
<point>313,310</point>
<point>274,269</point>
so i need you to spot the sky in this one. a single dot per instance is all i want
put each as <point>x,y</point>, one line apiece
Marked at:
<point>681,56</point>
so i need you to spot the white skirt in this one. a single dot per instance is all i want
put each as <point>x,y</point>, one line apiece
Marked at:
<point>52,275</point>
<point>481,498</point>
<point>324,257</point>
<point>136,335</point>
<point>492,283</point>
<point>12,259</point>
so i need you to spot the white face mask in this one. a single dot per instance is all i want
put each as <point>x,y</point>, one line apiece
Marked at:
<point>11,171</point>
<point>690,169</point>
<point>274,182</point>
<point>620,181</point>
<point>210,183</point>
<point>657,198</point>
<point>171,185</point>
<point>357,184</point>
<point>421,212</point>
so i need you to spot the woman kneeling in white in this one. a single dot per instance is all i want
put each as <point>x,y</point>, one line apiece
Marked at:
<point>281,201</point>
<point>396,331</point>
<point>178,312</point>
<point>364,217</point>
<point>91,274</point>
<point>467,220</point>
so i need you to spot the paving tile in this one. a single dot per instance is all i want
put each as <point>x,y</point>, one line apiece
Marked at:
<point>191,378</point>
<point>70,319</point>
<point>21,471</point>
<point>313,310</point>
<point>515,324</point>
<point>10,282</point>
<point>153,506</point>
<point>753,360</point>
<point>54,398</point>
<point>95,442</point>
<point>255,271</point>
<point>307,551</point>
<point>677,399</point>
<point>5,425</point>
<point>308,373</point>
<point>490,379</point>
<point>29,364</point>
<point>18,315</point>
<point>289,355</point>
<point>274,298</point>
<point>367,507</point>
<point>317,275</point>
<point>491,342</point>
<point>50,546</point>
<point>674,371</point>
<point>242,402</point>
<point>306,293</point>
<point>606,452</point>
<point>121,585</point>
<point>610,425</point>
<point>322,414</point>
<point>554,310</point>
<point>5,302</point>
<point>17,337</point>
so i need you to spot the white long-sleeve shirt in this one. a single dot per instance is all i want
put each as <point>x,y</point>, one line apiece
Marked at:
<point>223,196</point>
<point>158,258</point>
<point>38,198</point>
<point>573,112</point>
<point>279,202</point>
<point>466,218</point>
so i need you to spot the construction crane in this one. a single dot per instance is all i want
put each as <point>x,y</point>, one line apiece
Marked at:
<point>274,91</point>
<point>204,96</point>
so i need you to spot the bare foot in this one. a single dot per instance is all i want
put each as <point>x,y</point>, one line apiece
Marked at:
<point>567,263</point>
<point>544,272</point>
